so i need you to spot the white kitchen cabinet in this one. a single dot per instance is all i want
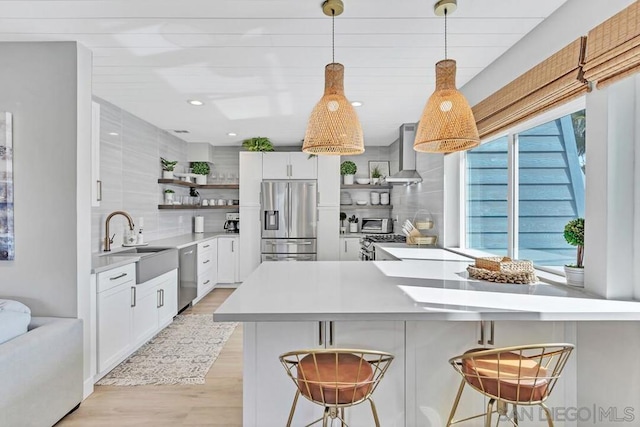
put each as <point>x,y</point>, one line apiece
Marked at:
<point>328,180</point>
<point>250,178</point>
<point>227,259</point>
<point>115,299</point>
<point>264,373</point>
<point>328,233</point>
<point>349,248</point>
<point>155,304</point>
<point>129,314</point>
<point>207,271</point>
<point>289,165</point>
<point>432,383</point>
<point>266,341</point>
<point>389,397</point>
<point>249,241</point>
<point>96,183</point>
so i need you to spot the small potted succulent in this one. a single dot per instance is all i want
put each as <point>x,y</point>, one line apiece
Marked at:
<point>168,196</point>
<point>167,167</point>
<point>201,169</point>
<point>375,175</point>
<point>348,170</point>
<point>574,235</point>
<point>258,143</point>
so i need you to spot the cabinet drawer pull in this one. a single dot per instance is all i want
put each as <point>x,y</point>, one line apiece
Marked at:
<point>158,299</point>
<point>207,282</point>
<point>331,333</point>
<point>205,246</point>
<point>492,335</point>
<point>232,246</point>
<point>481,340</point>
<point>118,276</point>
<point>320,333</point>
<point>133,296</point>
<point>206,261</point>
<point>162,297</point>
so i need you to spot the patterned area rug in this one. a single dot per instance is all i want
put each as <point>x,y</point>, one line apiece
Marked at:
<point>181,353</point>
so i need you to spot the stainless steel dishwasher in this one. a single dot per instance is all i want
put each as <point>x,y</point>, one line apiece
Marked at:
<point>188,287</point>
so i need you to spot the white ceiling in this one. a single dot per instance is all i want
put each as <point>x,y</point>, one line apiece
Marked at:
<point>259,64</point>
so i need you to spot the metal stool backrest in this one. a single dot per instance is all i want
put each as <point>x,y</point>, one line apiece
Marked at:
<point>336,377</point>
<point>521,374</point>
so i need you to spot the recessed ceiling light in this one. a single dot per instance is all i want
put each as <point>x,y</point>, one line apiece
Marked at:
<point>195,102</point>
<point>232,134</point>
<point>114,133</point>
<point>180,131</point>
<point>357,103</point>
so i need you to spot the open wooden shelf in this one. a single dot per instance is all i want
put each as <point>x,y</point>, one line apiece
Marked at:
<point>228,207</point>
<point>354,207</point>
<point>365,187</point>
<point>193,184</point>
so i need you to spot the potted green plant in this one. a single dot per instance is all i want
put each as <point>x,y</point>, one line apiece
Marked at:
<point>375,175</point>
<point>574,235</point>
<point>168,196</point>
<point>258,143</point>
<point>348,170</point>
<point>201,169</point>
<point>167,167</point>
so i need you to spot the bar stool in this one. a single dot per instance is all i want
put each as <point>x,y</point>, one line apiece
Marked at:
<point>335,379</point>
<point>521,375</point>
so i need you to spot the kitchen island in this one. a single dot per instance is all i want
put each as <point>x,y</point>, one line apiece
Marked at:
<point>423,311</point>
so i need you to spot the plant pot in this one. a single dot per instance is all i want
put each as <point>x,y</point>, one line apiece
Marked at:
<point>201,179</point>
<point>167,174</point>
<point>343,230</point>
<point>168,198</point>
<point>375,181</point>
<point>575,276</point>
<point>348,179</point>
<point>353,226</point>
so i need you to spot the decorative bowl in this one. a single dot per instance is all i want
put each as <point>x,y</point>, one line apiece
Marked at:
<point>363,181</point>
<point>361,202</point>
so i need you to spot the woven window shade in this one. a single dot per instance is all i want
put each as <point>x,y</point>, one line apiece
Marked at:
<point>334,127</point>
<point>613,48</point>
<point>553,82</point>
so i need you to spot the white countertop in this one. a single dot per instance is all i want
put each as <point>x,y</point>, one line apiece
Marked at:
<point>404,290</point>
<point>102,261</point>
<point>404,251</point>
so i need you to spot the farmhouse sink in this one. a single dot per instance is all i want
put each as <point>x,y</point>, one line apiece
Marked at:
<point>152,261</point>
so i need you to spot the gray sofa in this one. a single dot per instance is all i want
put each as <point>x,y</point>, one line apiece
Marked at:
<point>41,373</point>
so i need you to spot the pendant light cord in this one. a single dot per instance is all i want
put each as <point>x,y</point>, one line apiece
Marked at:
<point>445,33</point>
<point>333,36</point>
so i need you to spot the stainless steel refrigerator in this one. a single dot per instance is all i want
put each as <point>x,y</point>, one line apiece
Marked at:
<point>289,220</point>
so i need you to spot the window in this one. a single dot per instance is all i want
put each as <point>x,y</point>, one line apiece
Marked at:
<point>540,169</point>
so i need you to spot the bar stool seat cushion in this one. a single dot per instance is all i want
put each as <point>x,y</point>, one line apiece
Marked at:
<point>334,379</point>
<point>507,376</point>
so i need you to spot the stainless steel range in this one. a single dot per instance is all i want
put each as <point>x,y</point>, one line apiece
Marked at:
<point>368,250</point>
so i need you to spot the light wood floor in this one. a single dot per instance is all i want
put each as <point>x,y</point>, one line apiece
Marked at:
<point>218,402</point>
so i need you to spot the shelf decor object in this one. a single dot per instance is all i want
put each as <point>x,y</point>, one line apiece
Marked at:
<point>7,237</point>
<point>447,123</point>
<point>574,235</point>
<point>334,127</point>
<point>503,270</point>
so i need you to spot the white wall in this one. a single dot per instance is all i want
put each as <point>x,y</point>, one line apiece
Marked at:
<point>44,85</point>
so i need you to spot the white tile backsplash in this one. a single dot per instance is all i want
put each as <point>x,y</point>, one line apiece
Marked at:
<point>130,168</point>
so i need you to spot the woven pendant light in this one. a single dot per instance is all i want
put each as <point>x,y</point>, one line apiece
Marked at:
<point>334,128</point>
<point>447,123</point>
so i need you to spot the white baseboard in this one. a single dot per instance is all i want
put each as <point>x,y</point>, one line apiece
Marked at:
<point>228,285</point>
<point>87,388</point>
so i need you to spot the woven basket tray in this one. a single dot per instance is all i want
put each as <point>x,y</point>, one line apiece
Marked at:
<point>518,277</point>
<point>505,264</point>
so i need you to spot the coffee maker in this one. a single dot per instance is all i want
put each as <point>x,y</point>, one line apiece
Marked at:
<point>232,224</point>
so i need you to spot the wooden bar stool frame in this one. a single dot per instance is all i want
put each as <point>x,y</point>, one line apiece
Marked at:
<point>332,403</point>
<point>531,388</point>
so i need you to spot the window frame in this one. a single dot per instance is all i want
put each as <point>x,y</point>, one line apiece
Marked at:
<point>512,184</point>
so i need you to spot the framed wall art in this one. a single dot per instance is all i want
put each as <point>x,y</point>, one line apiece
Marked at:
<point>378,169</point>
<point>7,238</point>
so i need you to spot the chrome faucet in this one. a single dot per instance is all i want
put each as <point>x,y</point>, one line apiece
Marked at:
<point>109,240</point>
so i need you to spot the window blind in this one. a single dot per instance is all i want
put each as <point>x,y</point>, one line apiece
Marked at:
<point>613,48</point>
<point>552,82</point>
